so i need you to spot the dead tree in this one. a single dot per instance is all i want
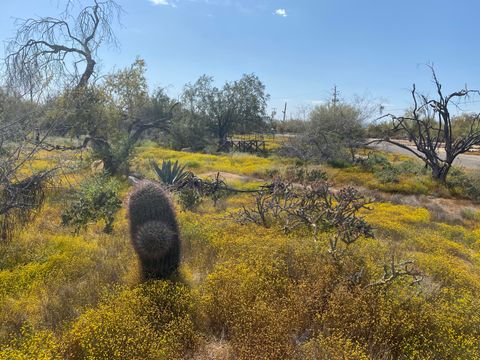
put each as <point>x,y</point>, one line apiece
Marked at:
<point>21,195</point>
<point>429,127</point>
<point>49,50</point>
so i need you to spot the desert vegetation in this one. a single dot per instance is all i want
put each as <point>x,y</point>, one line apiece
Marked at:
<point>127,231</point>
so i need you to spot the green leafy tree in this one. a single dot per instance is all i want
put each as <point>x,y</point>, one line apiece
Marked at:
<point>239,106</point>
<point>189,130</point>
<point>136,112</point>
<point>127,91</point>
<point>337,129</point>
<point>115,115</point>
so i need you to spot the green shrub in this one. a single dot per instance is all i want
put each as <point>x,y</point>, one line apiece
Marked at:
<point>465,184</point>
<point>374,161</point>
<point>339,163</point>
<point>315,175</point>
<point>469,214</point>
<point>189,198</point>
<point>411,167</point>
<point>388,174</point>
<point>97,199</point>
<point>272,173</point>
<point>301,174</point>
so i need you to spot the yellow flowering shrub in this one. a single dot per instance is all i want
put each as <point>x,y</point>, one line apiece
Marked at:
<point>333,347</point>
<point>39,345</point>
<point>153,321</point>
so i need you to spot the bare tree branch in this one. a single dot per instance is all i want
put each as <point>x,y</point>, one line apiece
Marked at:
<point>47,51</point>
<point>430,128</point>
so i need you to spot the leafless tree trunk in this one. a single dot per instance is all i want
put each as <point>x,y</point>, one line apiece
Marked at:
<point>429,127</point>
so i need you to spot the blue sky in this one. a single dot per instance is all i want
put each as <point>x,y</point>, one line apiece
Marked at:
<point>298,48</point>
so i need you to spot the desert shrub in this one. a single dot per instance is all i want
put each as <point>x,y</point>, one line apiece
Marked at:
<point>301,174</point>
<point>272,173</point>
<point>469,214</point>
<point>373,161</point>
<point>335,132</point>
<point>295,173</point>
<point>189,198</point>
<point>32,345</point>
<point>248,302</point>
<point>339,163</point>
<point>153,321</point>
<point>411,167</point>
<point>191,189</point>
<point>465,184</point>
<point>387,174</point>
<point>97,199</point>
<point>315,207</point>
<point>333,347</point>
<point>20,200</point>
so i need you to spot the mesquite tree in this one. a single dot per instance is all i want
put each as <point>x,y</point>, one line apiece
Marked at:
<point>237,106</point>
<point>117,114</point>
<point>429,126</point>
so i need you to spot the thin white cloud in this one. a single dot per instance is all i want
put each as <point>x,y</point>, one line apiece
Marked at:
<point>160,2</point>
<point>281,12</point>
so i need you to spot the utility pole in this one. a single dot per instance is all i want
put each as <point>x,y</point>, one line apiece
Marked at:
<point>335,96</point>
<point>335,100</point>
<point>285,112</point>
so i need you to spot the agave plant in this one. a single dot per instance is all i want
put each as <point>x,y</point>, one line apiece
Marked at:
<point>171,173</point>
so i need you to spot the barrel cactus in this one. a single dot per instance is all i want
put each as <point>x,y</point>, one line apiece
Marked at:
<point>154,230</point>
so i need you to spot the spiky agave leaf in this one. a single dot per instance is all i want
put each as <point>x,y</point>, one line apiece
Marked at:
<point>171,173</point>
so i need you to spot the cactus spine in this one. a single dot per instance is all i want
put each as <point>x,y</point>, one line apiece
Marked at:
<point>154,230</point>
